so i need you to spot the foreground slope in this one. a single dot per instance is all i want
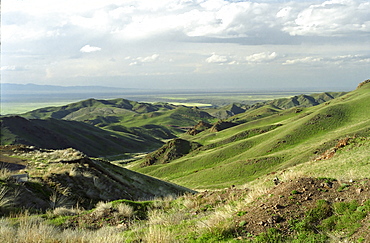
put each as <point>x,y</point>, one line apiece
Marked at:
<point>60,178</point>
<point>267,141</point>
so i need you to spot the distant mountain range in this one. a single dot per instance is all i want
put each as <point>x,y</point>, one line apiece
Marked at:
<point>8,88</point>
<point>107,127</point>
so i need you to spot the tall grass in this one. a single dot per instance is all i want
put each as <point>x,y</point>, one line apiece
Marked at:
<point>32,229</point>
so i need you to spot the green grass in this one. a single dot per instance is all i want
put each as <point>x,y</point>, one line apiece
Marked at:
<point>236,156</point>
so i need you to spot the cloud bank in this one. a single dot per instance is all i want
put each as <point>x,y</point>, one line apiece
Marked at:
<point>180,39</point>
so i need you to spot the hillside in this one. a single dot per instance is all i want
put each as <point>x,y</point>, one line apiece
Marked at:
<point>271,174</point>
<point>302,100</point>
<point>267,139</point>
<point>295,208</point>
<point>59,134</point>
<point>128,126</point>
<point>122,112</point>
<point>74,179</point>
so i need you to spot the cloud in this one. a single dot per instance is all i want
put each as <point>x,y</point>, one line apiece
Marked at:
<point>261,57</point>
<point>330,18</point>
<point>220,19</point>
<point>12,68</point>
<point>216,59</point>
<point>151,58</point>
<point>335,60</point>
<point>141,60</point>
<point>197,35</point>
<point>88,48</point>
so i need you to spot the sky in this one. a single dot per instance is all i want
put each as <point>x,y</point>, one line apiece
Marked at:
<point>187,44</point>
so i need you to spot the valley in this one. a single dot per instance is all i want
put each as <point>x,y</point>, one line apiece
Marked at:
<point>193,174</point>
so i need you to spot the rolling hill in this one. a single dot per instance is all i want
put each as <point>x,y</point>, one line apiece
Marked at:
<point>279,172</point>
<point>68,178</point>
<point>125,113</point>
<point>129,126</point>
<point>267,139</point>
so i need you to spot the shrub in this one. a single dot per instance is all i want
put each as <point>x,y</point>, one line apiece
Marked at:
<point>125,210</point>
<point>101,207</point>
<point>63,211</point>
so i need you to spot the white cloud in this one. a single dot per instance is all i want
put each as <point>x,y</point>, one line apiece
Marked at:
<point>12,68</point>
<point>331,18</point>
<point>334,60</point>
<point>310,33</point>
<point>216,59</point>
<point>305,60</point>
<point>141,60</point>
<point>151,58</point>
<point>261,57</point>
<point>88,48</point>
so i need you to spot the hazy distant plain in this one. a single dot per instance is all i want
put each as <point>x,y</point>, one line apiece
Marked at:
<point>20,103</point>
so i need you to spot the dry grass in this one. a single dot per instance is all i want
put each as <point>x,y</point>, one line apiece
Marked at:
<point>5,199</point>
<point>158,233</point>
<point>53,155</point>
<point>8,197</point>
<point>31,229</point>
<point>64,211</point>
<point>161,217</point>
<point>125,210</point>
<point>5,173</point>
<point>101,207</point>
<point>60,199</point>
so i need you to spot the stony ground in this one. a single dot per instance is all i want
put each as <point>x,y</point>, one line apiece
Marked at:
<point>290,200</point>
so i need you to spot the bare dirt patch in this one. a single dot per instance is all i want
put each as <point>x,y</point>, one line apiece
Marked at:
<point>290,200</point>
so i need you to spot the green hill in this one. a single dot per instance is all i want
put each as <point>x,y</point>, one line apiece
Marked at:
<point>125,113</point>
<point>267,139</point>
<point>129,126</point>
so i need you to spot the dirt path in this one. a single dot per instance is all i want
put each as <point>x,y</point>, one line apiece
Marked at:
<point>8,162</point>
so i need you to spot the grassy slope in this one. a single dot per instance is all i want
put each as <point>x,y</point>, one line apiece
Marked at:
<point>123,112</point>
<point>301,136</point>
<point>87,180</point>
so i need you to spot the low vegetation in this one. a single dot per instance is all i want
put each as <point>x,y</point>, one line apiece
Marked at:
<point>237,214</point>
<point>273,173</point>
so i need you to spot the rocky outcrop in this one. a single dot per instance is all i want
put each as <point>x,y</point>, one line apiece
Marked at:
<point>172,150</point>
<point>200,127</point>
<point>363,83</point>
<point>222,125</point>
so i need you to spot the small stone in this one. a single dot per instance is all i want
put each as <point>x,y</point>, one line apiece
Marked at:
<point>278,206</point>
<point>359,190</point>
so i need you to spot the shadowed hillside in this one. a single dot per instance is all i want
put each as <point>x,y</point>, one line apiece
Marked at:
<point>60,134</point>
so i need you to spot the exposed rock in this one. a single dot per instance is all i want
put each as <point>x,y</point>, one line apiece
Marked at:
<point>172,150</point>
<point>363,83</point>
<point>222,125</point>
<point>200,127</point>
